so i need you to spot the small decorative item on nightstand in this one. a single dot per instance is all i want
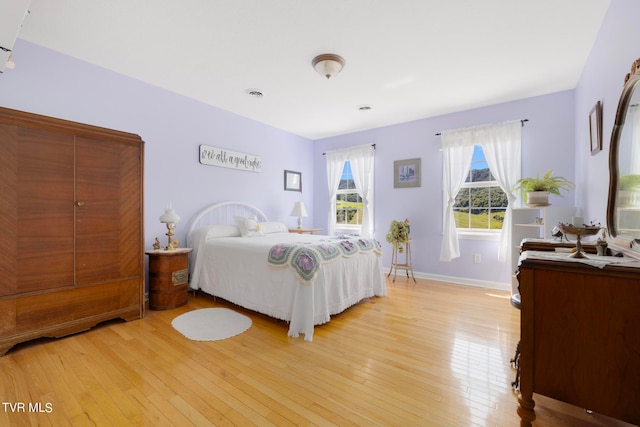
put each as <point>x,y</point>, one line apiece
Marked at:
<point>168,278</point>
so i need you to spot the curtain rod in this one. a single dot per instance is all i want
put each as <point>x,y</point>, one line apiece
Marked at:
<point>521,121</point>
<point>373,145</point>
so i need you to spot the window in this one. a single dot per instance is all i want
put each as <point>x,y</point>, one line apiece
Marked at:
<point>480,203</point>
<point>485,209</point>
<point>350,177</point>
<point>349,206</point>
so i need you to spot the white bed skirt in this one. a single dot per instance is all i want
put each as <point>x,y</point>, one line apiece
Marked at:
<point>230,271</point>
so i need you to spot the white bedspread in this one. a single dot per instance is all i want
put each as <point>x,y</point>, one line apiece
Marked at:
<point>236,269</point>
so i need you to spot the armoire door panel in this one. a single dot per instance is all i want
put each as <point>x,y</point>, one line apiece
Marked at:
<point>44,195</point>
<point>101,188</point>
<point>131,249</point>
<point>8,211</point>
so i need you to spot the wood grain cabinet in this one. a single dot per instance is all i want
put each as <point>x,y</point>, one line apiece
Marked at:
<point>71,217</point>
<point>168,278</point>
<point>580,337</point>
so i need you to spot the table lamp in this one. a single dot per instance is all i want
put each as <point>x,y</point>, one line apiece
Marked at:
<point>171,218</point>
<point>299,211</point>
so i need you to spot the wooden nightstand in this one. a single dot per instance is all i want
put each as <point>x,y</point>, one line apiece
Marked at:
<point>168,278</point>
<point>305,230</point>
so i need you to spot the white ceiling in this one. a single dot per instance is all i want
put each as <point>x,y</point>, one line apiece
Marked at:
<point>407,59</point>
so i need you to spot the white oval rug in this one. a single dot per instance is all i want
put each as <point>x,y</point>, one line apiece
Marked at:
<point>211,324</point>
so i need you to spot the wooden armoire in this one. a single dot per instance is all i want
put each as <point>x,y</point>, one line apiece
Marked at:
<point>71,225</point>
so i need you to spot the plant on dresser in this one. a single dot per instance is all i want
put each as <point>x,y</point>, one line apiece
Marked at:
<point>536,190</point>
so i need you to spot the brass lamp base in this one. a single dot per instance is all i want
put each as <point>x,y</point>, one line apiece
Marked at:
<point>171,242</point>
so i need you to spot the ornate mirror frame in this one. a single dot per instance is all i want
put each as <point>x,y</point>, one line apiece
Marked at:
<point>626,240</point>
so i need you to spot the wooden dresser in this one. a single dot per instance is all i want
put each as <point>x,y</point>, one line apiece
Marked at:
<point>71,217</point>
<point>580,339</point>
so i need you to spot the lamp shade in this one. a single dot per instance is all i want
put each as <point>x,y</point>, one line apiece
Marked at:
<point>169,216</point>
<point>299,210</point>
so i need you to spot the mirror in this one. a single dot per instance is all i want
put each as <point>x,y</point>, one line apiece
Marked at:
<point>623,207</point>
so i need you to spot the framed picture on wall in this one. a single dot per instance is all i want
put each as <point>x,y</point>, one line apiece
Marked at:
<point>406,173</point>
<point>595,128</point>
<point>292,181</point>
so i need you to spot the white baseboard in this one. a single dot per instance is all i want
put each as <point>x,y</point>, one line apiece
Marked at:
<point>461,281</point>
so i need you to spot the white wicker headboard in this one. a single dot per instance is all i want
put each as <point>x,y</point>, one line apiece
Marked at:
<point>224,213</point>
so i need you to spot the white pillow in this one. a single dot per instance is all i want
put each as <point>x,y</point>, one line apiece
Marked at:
<point>222,230</point>
<point>202,234</point>
<point>249,227</point>
<point>273,227</point>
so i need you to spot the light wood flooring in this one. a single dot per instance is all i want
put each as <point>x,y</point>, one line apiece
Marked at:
<point>428,354</point>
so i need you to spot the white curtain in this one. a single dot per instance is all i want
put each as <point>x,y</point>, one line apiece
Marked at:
<point>361,159</point>
<point>335,164</point>
<point>457,157</point>
<point>501,144</point>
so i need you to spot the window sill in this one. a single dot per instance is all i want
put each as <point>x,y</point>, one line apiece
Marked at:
<point>478,235</point>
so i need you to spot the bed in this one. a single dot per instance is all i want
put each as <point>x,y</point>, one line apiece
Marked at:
<point>304,279</point>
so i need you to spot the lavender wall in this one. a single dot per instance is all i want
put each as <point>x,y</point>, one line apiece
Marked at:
<point>172,126</point>
<point>556,136</point>
<point>547,143</point>
<point>602,79</point>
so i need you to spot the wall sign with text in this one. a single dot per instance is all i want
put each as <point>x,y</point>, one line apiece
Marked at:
<point>215,156</point>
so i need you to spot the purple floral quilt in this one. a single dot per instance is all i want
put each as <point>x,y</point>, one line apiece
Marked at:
<point>305,258</point>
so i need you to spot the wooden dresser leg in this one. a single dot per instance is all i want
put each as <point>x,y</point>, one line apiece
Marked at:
<point>525,409</point>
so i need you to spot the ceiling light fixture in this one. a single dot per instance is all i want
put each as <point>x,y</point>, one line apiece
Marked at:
<point>328,64</point>
<point>254,93</point>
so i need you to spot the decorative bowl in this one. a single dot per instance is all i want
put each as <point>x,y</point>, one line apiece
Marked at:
<point>586,230</point>
<point>579,231</point>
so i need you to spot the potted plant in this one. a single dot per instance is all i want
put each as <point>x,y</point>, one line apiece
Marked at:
<point>628,186</point>
<point>398,234</point>
<point>536,190</point>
